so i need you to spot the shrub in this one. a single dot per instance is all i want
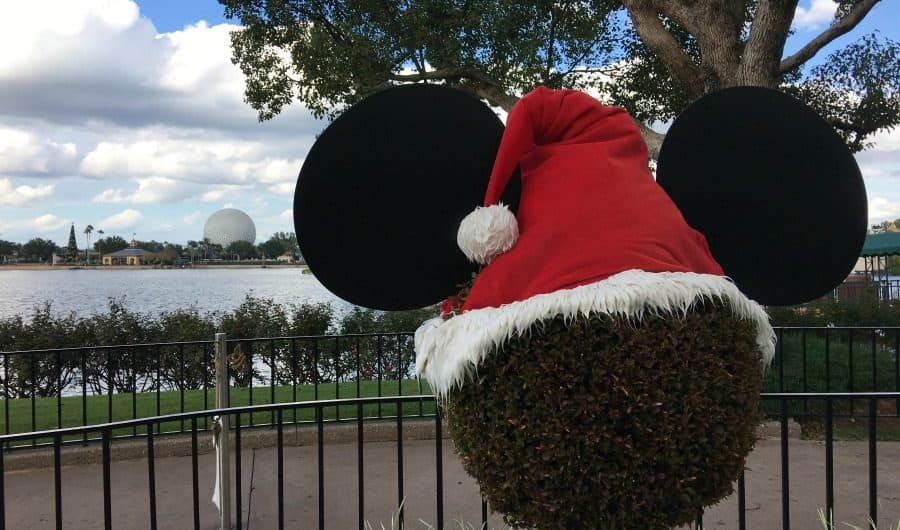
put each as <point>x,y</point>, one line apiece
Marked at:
<point>862,311</point>
<point>607,422</point>
<point>190,366</point>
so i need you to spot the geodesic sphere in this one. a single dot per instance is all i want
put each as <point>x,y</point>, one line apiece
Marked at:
<point>229,225</point>
<point>611,423</point>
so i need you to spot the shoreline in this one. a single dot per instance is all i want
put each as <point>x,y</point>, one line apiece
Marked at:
<point>204,266</point>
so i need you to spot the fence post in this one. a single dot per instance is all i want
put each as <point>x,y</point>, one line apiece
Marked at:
<point>223,467</point>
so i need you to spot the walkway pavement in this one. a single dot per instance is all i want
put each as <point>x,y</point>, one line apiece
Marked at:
<point>29,492</point>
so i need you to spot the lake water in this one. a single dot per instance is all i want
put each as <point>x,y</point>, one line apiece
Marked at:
<point>152,291</point>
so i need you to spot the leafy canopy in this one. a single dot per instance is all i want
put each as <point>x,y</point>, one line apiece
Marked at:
<point>651,56</point>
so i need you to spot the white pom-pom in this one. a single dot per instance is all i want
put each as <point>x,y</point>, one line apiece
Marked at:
<point>487,232</point>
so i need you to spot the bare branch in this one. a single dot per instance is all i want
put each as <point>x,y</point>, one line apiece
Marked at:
<point>484,86</point>
<point>648,25</point>
<point>840,27</point>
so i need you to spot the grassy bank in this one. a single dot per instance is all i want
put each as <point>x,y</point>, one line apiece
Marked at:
<point>51,413</point>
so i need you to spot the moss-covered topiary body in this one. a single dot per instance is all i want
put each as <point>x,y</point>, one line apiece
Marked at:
<point>609,420</point>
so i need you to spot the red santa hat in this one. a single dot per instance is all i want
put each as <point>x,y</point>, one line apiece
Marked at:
<point>593,233</point>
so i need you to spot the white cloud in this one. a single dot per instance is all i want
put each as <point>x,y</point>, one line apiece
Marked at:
<point>817,13</point>
<point>125,219</point>
<point>111,195</point>
<point>21,195</point>
<point>269,170</point>
<point>37,26</point>
<point>201,161</point>
<point>157,190</point>
<point>285,188</point>
<point>149,191</point>
<point>81,61</point>
<point>192,218</point>
<point>882,209</point>
<point>24,153</point>
<point>48,223</point>
<point>222,192</point>
<point>287,215</point>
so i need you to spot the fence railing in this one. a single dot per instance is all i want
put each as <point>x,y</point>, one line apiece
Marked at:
<point>67,387</point>
<point>734,512</point>
<point>836,359</point>
<point>880,289</point>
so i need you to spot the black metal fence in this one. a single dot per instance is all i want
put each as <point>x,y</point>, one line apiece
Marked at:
<point>878,288</point>
<point>835,359</point>
<point>44,389</point>
<point>735,512</point>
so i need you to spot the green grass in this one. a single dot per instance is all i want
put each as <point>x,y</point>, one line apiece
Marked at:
<point>125,406</point>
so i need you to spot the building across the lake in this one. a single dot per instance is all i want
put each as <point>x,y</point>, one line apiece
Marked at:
<point>128,256</point>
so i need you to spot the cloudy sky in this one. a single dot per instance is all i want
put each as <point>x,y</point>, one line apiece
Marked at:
<point>128,115</point>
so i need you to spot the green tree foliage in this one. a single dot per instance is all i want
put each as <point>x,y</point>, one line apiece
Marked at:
<point>301,358</point>
<point>858,88</point>
<point>866,310</point>
<point>241,250</point>
<point>156,246</point>
<point>280,243</point>
<point>38,249</point>
<point>110,244</point>
<point>651,56</point>
<point>8,248</point>
<point>346,50</point>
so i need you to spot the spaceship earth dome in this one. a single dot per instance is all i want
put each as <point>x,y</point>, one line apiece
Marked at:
<point>228,225</point>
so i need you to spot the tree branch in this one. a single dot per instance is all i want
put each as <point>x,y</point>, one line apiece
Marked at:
<point>652,138</point>
<point>485,86</point>
<point>840,27</point>
<point>648,25</point>
<point>847,126</point>
<point>765,45</point>
<point>716,26</point>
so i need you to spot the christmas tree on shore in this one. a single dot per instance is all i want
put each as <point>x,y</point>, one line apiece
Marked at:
<point>72,247</point>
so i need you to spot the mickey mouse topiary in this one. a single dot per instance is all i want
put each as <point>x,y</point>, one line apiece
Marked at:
<point>605,365</point>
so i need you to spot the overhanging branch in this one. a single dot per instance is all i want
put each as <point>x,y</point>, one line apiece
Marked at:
<point>841,27</point>
<point>847,126</point>
<point>485,86</point>
<point>646,21</point>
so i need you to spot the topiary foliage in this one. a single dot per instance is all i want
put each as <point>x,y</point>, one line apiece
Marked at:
<point>607,422</point>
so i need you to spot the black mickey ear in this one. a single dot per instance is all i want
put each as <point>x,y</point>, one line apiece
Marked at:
<point>773,188</point>
<point>382,191</point>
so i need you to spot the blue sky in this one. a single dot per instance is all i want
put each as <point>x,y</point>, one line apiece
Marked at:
<point>173,15</point>
<point>129,116</point>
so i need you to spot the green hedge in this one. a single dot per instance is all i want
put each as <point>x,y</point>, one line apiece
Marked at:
<point>188,367</point>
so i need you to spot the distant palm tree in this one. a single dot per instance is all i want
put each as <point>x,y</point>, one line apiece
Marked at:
<point>99,248</point>
<point>87,237</point>
<point>192,246</point>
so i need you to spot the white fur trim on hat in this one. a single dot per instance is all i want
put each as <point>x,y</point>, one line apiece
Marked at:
<point>449,351</point>
<point>487,232</point>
